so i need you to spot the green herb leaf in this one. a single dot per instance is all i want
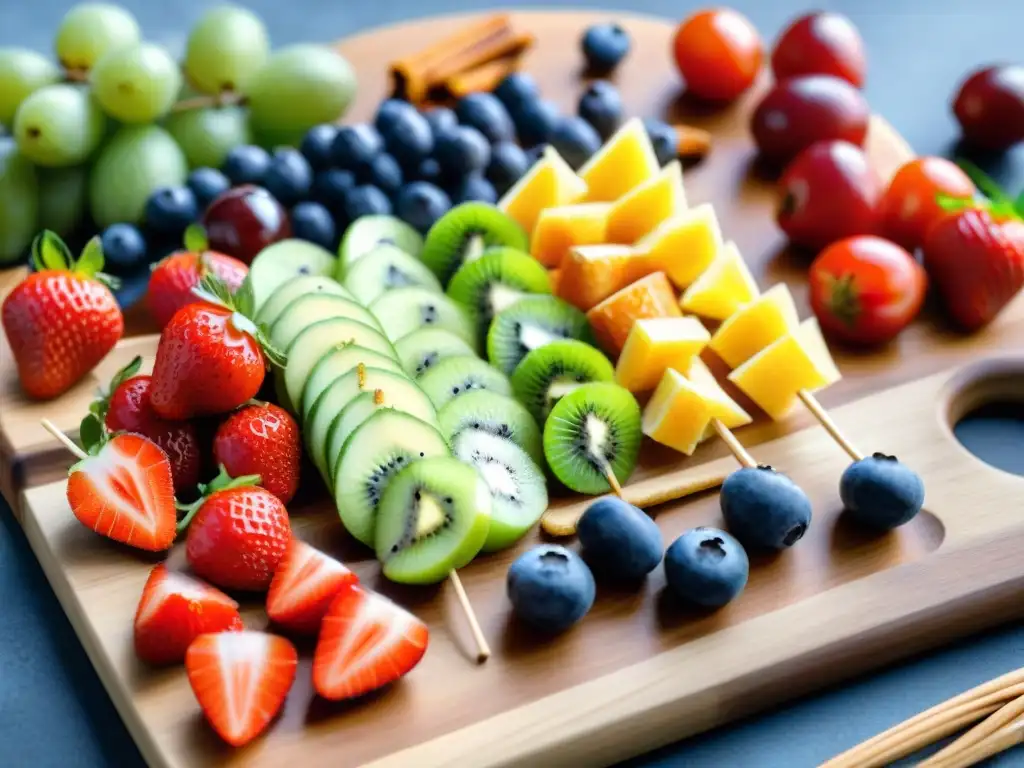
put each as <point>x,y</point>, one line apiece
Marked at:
<point>91,260</point>
<point>985,184</point>
<point>195,239</point>
<point>50,252</point>
<point>1018,205</point>
<point>953,204</point>
<point>92,434</point>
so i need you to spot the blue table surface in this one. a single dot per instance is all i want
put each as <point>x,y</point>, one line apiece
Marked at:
<point>53,709</point>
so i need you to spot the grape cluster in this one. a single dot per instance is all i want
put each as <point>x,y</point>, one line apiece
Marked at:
<point>105,137</point>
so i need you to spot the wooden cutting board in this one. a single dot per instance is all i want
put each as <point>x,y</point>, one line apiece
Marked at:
<point>640,671</point>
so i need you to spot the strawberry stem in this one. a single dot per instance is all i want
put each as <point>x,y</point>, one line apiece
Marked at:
<point>222,482</point>
<point>215,291</point>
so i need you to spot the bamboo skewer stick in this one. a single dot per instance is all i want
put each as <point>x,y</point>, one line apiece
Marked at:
<point>63,439</point>
<point>1000,741</point>
<point>981,737</point>
<point>734,445</point>
<point>823,417</point>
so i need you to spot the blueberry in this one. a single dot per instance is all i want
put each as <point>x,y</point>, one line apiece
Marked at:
<point>124,247</point>
<point>486,113</point>
<point>207,184</point>
<point>533,154</point>
<point>246,165</point>
<point>881,492</point>
<point>461,152</point>
<point>385,172</point>
<point>605,46</point>
<point>408,136</point>
<point>420,204</point>
<point>516,90</point>
<point>619,540</point>
<point>764,509</point>
<point>429,170</point>
<point>313,222</point>
<point>601,106</point>
<point>663,137</point>
<point>365,200</point>
<point>289,176</point>
<point>706,566</point>
<point>474,187</point>
<point>550,587</point>
<point>441,120</point>
<point>507,166</point>
<point>388,112</point>
<point>170,209</point>
<point>355,146</point>
<point>536,122</point>
<point>576,140</point>
<point>329,188</point>
<point>316,146</point>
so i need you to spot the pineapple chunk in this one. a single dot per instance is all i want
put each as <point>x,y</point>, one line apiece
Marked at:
<point>683,246</point>
<point>645,206</point>
<point>625,161</point>
<point>723,407</point>
<point>558,230</point>
<point>549,183</point>
<point>723,288</point>
<point>753,327</point>
<point>655,344</point>
<point>678,414</point>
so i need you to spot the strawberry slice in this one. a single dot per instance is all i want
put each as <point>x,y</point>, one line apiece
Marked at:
<point>125,491</point>
<point>241,680</point>
<point>366,642</point>
<point>174,610</point>
<point>304,585</point>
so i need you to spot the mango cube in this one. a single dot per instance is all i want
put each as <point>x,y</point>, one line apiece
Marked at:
<point>625,161</point>
<point>683,246</point>
<point>773,377</point>
<point>592,273</point>
<point>725,409</point>
<point>613,318</point>
<point>753,327</point>
<point>645,206</point>
<point>560,229</point>
<point>724,287</point>
<point>549,183</point>
<point>655,344</point>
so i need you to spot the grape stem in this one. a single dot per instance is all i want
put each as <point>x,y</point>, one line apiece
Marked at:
<point>76,75</point>
<point>225,99</point>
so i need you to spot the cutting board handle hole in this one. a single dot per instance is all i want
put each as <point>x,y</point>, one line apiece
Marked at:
<point>984,409</point>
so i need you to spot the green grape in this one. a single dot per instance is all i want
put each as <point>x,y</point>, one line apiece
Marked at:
<point>62,198</point>
<point>225,48</point>
<point>22,72</point>
<point>19,203</point>
<point>299,87</point>
<point>207,135</point>
<point>139,160</point>
<point>89,30</point>
<point>59,125</point>
<point>136,84</point>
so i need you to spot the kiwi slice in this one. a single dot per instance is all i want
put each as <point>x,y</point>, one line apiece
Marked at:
<point>519,494</point>
<point>590,433</point>
<point>455,376</point>
<point>495,414</point>
<point>282,298</point>
<point>464,233</point>
<point>382,445</point>
<point>550,372</point>
<point>423,349</point>
<point>494,282</point>
<point>405,310</point>
<point>308,309</point>
<point>368,232</point>
<point>433,518</point>
<point>531,323</point>
<point>385,268</point>
<point>336,363</point>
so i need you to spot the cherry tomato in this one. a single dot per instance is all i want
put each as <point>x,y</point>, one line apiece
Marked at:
<point>865,290</point>
<point>829,192</point>
<point>719,54</point>
<point>802,110</point>
<point>820,44</point>
<point>910,205</point>
<point>990,107</point>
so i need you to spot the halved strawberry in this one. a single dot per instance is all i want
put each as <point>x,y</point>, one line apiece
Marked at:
<point>124,491</point>
<point>174,610</point>
<point>366,641</point>
<point>241,680</point>
<point>304,585</point>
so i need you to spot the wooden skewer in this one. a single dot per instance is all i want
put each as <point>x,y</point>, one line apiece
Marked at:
<point>1000,741</point>
<point>483,650</point>
<point>735,447</point>
<point>1007,718</point>
<point>816,409</point>
<point>63,439</point>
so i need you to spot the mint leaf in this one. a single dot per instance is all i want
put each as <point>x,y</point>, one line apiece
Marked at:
<point>91,260</point>
<point>91,434</point>
<point>983,182</point>
<point>195,239</point>
<point>50,252</point>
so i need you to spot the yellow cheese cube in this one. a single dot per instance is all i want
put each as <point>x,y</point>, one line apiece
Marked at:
<point>683,246</point>
<point>723,288</point>
<point>645,206</point>
<point>625,161</point>
<point>549,183</point>
<point>753,327</point>
<point>657,343</point>
<point>677,415</point>
<point>722,407</point>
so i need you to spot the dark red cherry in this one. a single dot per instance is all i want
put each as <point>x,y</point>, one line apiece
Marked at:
<point>245,220</point>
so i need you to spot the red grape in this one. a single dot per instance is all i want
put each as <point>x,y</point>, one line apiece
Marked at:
<point>990,107</point>
<point>820,44</point>
<point>829,192</point>
<point>245,220</point>
<point>802,110</point>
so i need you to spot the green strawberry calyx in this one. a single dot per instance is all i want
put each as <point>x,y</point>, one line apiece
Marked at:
<point>222,482</point>
<point>242,303</point>
<point>995,200</point>
<point>50,252</point>
<point>93,430</point>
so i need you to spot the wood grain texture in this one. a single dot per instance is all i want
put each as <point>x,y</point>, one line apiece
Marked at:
<point>641,670</point>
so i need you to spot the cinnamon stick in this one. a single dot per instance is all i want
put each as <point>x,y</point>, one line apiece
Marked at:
<point>483,78</point>
<point>692,143</point>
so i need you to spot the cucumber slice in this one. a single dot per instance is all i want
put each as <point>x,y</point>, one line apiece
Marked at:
<point>402,396</point>
<point>293,289</point>
<point>385,268</point>
<point>367,232</point>
<point>423,349</point>
<point>312,308</point>
<point>336,364</point>
<point>378,448</point>
<point>405,310</point>
<point>276,264</point>
<point>316,341</point>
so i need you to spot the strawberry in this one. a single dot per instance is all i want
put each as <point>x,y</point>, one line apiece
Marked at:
<point>62,319</point>
<point>237,533</point>
<point>174,610</point>
<point>240,680</point>
<point>173,278</point>
<point>975,257</point>
<point>304,585</point>
<point>210,358</point>
<point>123,490</point>
<point>262,440</point>
<point>366,642</point>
